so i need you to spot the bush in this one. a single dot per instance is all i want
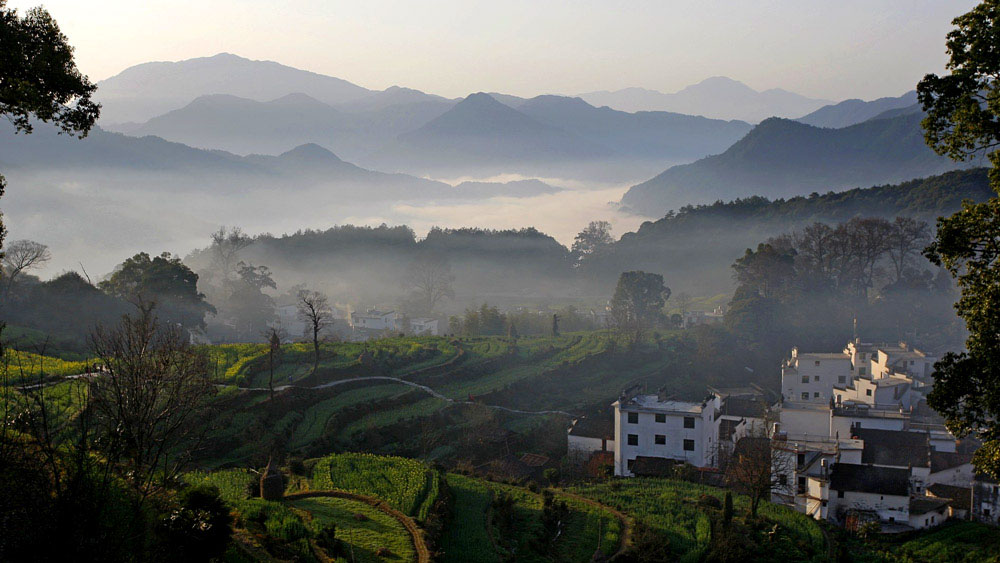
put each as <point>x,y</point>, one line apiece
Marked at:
<point>710,501</point>
<point>198,527</point>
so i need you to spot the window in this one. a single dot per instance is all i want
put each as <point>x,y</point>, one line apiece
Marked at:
<point>805,379</point>
<point>841,379</point>
<point>868,392</point>
<point>688,422</point>
<point>862,371</point>
<point>782,479</point>
<point>689,445</point>
<point>660,439</point>
<point>633,418</point>
<point>816,395</point>
<point>840,494</point>
<point>815,378</point>
<point>633,439</point>
<point>817,362</point>
<point>630,463</point>
<point>660,417</point>
<point>800,459</point>
<point>802,485</point>
<point>805,396</point>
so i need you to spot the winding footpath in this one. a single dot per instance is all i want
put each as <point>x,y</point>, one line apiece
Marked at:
<point>423,553</point>
<point>423,388</point>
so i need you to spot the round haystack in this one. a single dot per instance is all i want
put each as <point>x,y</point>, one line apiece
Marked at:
<point>272,483</point>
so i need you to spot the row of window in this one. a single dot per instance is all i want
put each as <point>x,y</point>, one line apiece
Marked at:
<point>660,440</point>
<point>633,418</point>
<point>840,378</point>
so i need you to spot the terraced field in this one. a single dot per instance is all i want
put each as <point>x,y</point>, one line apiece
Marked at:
<point>361,539</point>
<point>406,484</point>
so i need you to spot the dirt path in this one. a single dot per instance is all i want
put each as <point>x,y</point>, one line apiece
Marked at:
<point>423,388</point>
<point>625,537</point>
<point>423,554</point>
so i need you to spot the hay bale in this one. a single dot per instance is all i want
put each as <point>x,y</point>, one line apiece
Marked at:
<point>272,483</point>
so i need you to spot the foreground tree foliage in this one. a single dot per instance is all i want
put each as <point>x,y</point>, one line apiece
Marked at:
<point>88,468</point>
<point>963,121</point>
<point>39,78</point>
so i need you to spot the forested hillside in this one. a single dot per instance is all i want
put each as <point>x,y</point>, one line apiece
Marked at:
<point>697,244</point>
<point>783,158</point>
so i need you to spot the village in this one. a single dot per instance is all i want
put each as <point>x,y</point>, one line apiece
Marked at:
<point>850,440</point>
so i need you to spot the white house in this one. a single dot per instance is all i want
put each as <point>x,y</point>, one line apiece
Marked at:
<point>375,320</point>
<point>986,500</point>
<point>591,433</point>
<point>810,378</point>
<point>851,488</point>
<point>424,326</point>
<point>654,426</point>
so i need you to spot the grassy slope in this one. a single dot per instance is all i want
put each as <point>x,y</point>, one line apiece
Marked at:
<point>672,508</point>
<point>473,535</point>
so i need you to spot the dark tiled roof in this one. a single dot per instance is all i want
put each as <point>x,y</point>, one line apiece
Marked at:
<point>726,428</point>
<point>595,425</point>
<point>743,407</point>
<point>894,447</point>
<point>534,460</point>
<point>941,461</point>
<point>653,466</point>
<point>927,504</point>
<point>960,497</point>
<point>870,479</point>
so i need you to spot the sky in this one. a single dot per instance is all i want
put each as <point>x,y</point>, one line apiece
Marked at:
<point>830,49</point>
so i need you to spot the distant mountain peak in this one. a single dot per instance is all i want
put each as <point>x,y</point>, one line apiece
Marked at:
<point>310,152</point>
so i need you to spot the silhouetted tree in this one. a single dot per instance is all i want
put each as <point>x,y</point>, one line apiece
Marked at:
<point>225,249</point>
<point>593,240</point>
<point>638,304</point>
<point>21,256</point>
<point>315,311</point>
<point>430,280</point>
<point>149,400</point>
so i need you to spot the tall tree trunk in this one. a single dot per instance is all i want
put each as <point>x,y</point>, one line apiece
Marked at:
<point>315,349</point>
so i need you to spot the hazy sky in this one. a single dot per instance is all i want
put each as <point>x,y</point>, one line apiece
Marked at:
<point>831,49</point>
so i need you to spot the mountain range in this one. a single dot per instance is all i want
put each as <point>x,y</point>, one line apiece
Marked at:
<point>851,112</point>
<point>115,158</point>
<point>141,92</point>
<point>405,131</point>
<point>783,158</point>
<point>717,97</point>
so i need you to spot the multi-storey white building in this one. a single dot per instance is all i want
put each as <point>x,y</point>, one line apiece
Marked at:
<point>657,427</point>
<point>810,378</point>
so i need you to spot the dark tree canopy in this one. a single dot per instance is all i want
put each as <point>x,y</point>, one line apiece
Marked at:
<point>164,280</point>
<point>963,118</point>
<point>39,78</point>
<point>638,303</point>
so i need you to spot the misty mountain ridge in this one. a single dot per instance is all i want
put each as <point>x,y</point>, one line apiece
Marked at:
<point>481,133</point>
<point>717,97</point>
<point>850,112</point>
<point>380,136</point>
<point>785,158</point>
<point>171,166</point>
<point>143,91</point>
